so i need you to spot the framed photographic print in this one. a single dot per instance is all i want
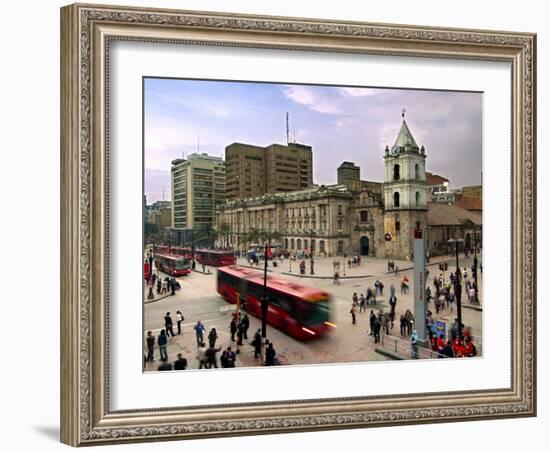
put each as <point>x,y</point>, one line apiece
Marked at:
<point>343,214</point>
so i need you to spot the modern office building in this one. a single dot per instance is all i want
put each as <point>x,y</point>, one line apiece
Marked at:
<point>348,173</point>
<point>252,170</point>
<point>198,187</point>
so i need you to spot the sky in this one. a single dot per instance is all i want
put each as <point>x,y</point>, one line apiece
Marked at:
<point>340,124</point>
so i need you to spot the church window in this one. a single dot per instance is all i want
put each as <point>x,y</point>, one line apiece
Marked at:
<point>396,199</point>
<point>417,198</point>
<point>364,216</point>
<point>417,172</point>
<point>397,226</point>
<point>396,175</point>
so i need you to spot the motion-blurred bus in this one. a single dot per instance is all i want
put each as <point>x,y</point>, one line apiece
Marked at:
<point>215,258</point>
<point>300,311</point>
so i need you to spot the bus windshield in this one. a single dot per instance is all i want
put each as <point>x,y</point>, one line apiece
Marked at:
<point>182,263</point>
<point>316,312</point>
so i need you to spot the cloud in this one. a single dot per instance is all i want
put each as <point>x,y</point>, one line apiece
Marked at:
<point>312,98</point>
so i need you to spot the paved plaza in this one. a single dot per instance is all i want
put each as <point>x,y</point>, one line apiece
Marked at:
<point>198,300</point>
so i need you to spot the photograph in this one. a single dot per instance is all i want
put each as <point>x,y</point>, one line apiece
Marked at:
<point>300,224</point>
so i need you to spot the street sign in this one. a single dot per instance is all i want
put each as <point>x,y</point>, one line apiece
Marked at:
<point>440,328</point>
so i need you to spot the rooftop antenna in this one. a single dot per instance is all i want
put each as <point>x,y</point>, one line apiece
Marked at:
<point>295,137</point>
<point>198,144</point>
<point>162,194</point>
<point>287,130</point>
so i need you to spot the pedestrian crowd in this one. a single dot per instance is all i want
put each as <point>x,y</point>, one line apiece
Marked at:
<point>207,353</point>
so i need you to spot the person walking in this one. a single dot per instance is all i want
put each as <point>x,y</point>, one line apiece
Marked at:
<point>179,320</point>
<point>202,356</point>
<point>362,303</point>
<point>150,347</point>
<point>180,363</point>
<point>233,328</point>
<point>403,325</point>
<point>212,337</point>
<point>231,357</point>
<point>199,332</point>
<point>376,329</point>
<point>414,345</point>
<point>257,344</point>
<point>162,341</point>
<point>393,303</point>
<point>245,323</point>
<point>270,355</point>
<point>169,325</point>
<point>211,357</point>
<point>372,318</point>
<point>353,312</point>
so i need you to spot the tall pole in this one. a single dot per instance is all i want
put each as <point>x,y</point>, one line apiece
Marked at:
<point>476,298</point>
<point>458,293</point>
<point>264,300</point>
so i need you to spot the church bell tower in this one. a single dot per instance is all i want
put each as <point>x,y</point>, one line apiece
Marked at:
<point>405,193</point>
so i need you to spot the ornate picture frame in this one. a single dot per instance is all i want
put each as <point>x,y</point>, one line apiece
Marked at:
<point>86,34</point>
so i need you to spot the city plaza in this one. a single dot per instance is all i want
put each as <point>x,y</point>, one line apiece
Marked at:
<point>198,300</point>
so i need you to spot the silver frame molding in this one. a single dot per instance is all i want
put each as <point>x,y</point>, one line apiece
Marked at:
<point>86,32</point>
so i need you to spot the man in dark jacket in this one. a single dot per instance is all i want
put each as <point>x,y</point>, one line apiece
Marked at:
<point>233,328</point>
<point>165,366</point>
<point>270,355</point>
<point>257,344</point>
<point>180,363</point>
<point>169,325</point>
<point>162,341</point>
<point>245,322</point>
<point>150,347</point>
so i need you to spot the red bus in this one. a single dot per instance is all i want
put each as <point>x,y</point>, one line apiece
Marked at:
<point>173,265</point>
<point>146,270</point>
<point>182,251</point>
<point>215,258</point>
<point>300,311</point>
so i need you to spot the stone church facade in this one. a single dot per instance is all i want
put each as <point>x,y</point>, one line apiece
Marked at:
<point>360,217</point>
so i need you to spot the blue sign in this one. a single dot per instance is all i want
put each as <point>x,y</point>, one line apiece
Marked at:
<point>439,328</point>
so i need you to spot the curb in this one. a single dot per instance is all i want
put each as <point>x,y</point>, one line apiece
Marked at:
<point>156,299</point>
<point>389,354</point>
<point>321,277</point>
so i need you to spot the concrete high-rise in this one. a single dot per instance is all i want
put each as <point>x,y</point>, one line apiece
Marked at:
<point>198,187</point>
<point>348,173</point>
<point>252,170</point>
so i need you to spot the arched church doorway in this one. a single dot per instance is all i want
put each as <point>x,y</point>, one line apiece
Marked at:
<point>364,246</point>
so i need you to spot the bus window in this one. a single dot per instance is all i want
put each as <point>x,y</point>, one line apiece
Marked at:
<point>316,312</point>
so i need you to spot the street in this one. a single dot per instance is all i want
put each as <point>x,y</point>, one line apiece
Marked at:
<point>198,300</point>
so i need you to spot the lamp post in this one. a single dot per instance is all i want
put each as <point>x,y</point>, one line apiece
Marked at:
<point>476,298</point>
<point>151,295</point>
<point>458,286</point>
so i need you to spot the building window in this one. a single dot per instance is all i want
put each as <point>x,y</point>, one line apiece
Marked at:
<point>396,174</point>
<point>396,199</point>
<point>286,243</point>
<point>364,216</point>
<point>292,244</point>
<point>418,225</point>
<point>339,210</point>
<point>339,225</point>
<point>322,246</point>
<point>340,247</point>
<point>417,172</point>
<point>312,246</point>
<point>298,244</point>
<point>305,244</point>
<point>397,226</point>
<point>417,198</point>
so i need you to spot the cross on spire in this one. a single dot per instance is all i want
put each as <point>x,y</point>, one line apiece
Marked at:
<point>403,111</point>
